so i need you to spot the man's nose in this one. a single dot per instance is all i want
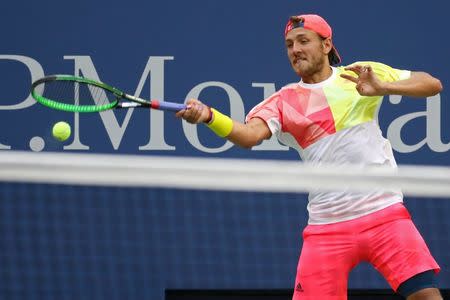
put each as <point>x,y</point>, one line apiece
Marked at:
<point>296,47</point>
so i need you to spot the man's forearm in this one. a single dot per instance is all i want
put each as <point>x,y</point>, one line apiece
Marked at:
<point>420,84</point>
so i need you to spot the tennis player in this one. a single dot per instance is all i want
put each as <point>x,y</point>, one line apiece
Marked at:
<point>330,117</point>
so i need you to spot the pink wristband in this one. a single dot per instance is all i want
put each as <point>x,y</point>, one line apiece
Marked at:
<point>210,116</point>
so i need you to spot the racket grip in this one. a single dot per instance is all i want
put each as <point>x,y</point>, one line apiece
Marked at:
<point>167,105</point>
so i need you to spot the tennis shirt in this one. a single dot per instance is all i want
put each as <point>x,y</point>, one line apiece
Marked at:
<point>331,123</point>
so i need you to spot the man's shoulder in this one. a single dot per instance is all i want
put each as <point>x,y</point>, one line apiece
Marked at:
<point>281,93</point>
<point>290,86</point>
<point>285,89</point>
<point>383,71</point>
<point>364,63</point>
<point>360,62</point>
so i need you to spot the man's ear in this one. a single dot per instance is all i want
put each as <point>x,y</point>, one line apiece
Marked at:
<point>327,45</point>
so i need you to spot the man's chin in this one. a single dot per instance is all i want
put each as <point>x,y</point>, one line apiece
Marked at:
<point>301,71</point>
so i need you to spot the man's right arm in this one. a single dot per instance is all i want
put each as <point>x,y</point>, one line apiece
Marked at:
<point>249,134</point>
<point>244,135</point>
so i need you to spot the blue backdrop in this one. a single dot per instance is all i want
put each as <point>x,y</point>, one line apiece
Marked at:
<point>231,55</point>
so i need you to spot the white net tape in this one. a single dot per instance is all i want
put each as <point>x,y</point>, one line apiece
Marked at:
<point>216,174</point>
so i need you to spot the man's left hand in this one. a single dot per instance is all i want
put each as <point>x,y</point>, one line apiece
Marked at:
<point>367,83</point>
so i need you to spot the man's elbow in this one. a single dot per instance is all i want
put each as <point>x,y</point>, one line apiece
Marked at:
<point>437,86</point>
<point>434,84</point>
<point>246,144</point>
<point>429,85</point>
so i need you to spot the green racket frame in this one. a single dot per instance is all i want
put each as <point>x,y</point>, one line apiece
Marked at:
<point>71,107</point>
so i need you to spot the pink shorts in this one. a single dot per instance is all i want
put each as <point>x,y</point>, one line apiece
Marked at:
<point>387,239</point>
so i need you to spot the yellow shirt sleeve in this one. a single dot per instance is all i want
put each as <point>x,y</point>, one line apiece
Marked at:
<point>385,72</point>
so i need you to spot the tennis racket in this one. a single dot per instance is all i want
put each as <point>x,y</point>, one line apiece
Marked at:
<point>83,95</point>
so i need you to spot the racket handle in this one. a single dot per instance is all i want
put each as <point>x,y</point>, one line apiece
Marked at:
<point>163,105</point>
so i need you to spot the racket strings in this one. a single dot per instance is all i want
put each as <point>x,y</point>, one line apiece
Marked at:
<point>75,93</point>
<point>75,96</point>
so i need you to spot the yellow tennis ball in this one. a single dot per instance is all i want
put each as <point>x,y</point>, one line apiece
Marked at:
<point>61,131</point>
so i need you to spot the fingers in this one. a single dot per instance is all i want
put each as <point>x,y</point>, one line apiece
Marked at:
<point>189,104</point>
<point>355,68</point>
<point>349,77</point>
<point>195,112</point>
<point>358,69</point>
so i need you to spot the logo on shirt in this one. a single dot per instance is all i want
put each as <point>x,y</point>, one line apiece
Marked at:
<point>299,287</point>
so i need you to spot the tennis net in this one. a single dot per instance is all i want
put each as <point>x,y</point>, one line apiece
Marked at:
<point>85,226</point>
<point>214,173</point>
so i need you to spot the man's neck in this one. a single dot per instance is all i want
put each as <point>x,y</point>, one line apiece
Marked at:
<point>320,76</point>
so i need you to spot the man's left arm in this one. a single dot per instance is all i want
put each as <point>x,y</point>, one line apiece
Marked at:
<point>419,84</point>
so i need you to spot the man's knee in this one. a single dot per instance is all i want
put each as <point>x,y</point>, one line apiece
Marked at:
<point>420,286</point>
<point>426,294</point>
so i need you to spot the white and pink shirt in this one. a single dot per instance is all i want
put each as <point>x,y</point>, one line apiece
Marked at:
<point>331,123</point>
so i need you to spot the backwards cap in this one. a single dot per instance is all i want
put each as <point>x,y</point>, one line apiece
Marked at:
<point>318,25</point>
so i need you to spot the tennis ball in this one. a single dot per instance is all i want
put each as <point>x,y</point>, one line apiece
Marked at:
<point>61,131</point>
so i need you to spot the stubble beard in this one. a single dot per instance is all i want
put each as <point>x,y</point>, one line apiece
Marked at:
<point>314,66</point>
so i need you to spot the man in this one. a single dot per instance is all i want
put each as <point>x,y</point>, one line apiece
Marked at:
<point>329,117</point>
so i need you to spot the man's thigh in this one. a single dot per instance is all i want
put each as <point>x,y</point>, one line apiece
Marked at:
<point>398,251</point>
<point>324,265</point>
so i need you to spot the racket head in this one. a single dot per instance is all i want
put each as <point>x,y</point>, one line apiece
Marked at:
<point>75,94</point>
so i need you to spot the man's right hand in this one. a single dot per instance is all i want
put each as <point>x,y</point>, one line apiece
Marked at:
<point>196,112</point>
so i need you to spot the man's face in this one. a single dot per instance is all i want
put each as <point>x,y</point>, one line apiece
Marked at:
<point>306,51</point>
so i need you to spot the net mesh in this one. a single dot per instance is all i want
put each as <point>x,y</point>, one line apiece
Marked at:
<point>115,239</point>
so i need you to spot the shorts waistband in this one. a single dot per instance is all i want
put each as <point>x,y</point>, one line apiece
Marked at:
<point>393,212</point>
